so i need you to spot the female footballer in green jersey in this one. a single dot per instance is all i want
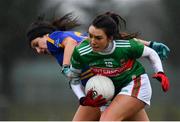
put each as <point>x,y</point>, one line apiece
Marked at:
<point>55,38</point>
<point>108,53</point>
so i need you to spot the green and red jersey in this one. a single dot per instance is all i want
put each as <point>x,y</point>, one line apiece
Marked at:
<point>120,64</point>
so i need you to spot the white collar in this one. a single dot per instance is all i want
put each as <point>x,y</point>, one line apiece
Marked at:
<point>109,50</point>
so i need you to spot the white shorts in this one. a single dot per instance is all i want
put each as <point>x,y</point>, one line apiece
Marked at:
<point>139,88</point>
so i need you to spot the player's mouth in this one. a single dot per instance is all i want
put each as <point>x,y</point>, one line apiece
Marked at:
<point>95,48</point>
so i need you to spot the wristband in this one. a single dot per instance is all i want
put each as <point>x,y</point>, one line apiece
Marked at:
<point>151,44</point>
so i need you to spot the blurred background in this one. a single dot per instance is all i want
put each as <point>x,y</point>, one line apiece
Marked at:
<point>32,87</point>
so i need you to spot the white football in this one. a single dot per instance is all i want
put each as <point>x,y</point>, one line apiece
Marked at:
<point>101,85</point>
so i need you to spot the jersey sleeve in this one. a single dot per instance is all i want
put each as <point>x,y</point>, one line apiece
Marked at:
<point>136,49</point>
<point>77,36</point>
<point>56,38</point>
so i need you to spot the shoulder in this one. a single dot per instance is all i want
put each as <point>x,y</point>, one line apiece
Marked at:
<point>83,47</point>
<point>135,42</point>
<point>55,38</point>
<point>122,43</point>
<point>128,43</point>
<point>77,36</point>
<point>55,35</point>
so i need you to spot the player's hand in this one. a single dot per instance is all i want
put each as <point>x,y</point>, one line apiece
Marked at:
<point>160,48</point>
<point>163,79</point>
<point>65,69</point>
<point>89,100</point>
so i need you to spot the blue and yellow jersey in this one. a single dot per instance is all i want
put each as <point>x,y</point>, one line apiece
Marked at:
<point>55,40</point>
<point>56,48</point>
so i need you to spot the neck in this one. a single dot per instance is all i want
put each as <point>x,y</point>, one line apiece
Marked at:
<point>108,48</point>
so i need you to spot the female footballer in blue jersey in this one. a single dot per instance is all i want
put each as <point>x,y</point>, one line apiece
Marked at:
<point>107,53</point>
<point>55,38</point>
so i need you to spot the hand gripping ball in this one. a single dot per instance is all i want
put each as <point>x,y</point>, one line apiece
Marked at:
<point>101,85</point>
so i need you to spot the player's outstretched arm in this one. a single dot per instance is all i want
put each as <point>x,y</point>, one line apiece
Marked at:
<point>161,49</point>
<point>157,66</point>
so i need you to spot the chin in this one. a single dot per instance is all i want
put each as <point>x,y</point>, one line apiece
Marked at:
<point>96,50</point>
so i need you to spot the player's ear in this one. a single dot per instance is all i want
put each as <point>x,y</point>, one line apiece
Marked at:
<point>110,38</point>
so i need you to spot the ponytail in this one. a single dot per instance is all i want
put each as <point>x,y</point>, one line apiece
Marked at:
<point>112,24</point>
<point>40,27</point>
<point>66,22</point>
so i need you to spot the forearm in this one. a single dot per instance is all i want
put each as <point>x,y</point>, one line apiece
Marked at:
<point>75,82</point>
<point>160,48</point>
<point>157,65</point>
<point>154,59</point>
<point>69,45</point>
<point>78,90</point>
<point>146,43</point>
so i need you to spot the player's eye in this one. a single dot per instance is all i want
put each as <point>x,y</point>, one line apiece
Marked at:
<point>98,37</point>
<point>95,37</point>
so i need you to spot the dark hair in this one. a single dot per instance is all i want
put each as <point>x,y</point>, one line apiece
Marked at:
<point>40,27</point>
<point>112,24</point>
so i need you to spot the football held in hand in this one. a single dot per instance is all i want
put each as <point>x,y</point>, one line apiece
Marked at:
<point>101,85</point>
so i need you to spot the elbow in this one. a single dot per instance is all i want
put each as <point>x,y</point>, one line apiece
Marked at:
<point>150,53</point>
